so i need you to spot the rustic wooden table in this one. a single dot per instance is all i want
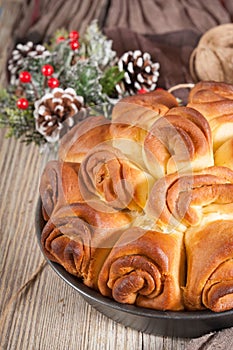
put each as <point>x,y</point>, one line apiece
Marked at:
<point>38,311</point>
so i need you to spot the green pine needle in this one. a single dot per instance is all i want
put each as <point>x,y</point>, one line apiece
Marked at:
<point>110,78</point>
<point>91,71</point>
<point>20,123</point>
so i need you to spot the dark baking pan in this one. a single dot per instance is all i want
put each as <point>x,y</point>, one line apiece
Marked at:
<point>185,324</point>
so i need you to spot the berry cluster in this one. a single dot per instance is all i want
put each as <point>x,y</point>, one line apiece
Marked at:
<point>26,78</point>
<point>47,70</point>
<point>73,40</point>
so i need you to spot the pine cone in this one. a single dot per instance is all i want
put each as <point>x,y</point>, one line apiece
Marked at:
<point>53,109</point>
<point>18,56</point>
<point>140,72</point>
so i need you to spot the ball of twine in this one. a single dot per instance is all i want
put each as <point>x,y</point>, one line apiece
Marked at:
<point>212,59</point>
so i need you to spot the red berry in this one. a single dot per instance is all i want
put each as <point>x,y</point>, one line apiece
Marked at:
<point>61,38</point>
<point>74,35</point>
<point>142,91</point>
<point>25,77</point>
<point>47,70</point>
<point>53,83</point>
<point>22,103</point>
<point>74,45</point>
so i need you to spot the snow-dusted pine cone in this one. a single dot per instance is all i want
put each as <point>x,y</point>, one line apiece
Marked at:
<point>18,56</point>
<point>140,72</point>
<point>53,109</point>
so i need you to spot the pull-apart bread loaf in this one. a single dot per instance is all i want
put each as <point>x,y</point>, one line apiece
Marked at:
<point>140,207</point>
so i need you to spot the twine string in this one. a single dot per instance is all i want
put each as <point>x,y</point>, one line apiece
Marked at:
<point>14,297</point>
<point>181,86</point>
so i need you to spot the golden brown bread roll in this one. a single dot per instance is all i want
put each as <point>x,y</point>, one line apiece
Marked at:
<point>210,267</point>
<point>153,98</point>
<point>211,91</point>
<point>142,110</point>
<point>179,141</point>
<point>129,139</point>
<point>145,268</point>
<point>215,101</point>
<point>107,174</point>
<point>139,205</point>
<point>224,154</point>
<point>222,129</point>
<point>59,186</point>
<point>82,137</point>
<point>79,236</point>
<point>179,201</point>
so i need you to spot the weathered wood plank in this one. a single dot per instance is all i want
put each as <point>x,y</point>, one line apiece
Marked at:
<point>38,311</point>
<point>47,314</point>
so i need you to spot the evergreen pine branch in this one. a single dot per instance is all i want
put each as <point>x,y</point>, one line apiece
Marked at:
<point>96,46</point>
<point>87,84</point>
<point>52,44</point>
<point>20,123</point>
<point>90,71</point>
<point>110,78</point>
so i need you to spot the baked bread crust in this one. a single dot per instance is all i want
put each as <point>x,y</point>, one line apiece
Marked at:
<point>141,207</point>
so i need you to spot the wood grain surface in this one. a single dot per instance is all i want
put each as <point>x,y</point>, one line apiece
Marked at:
<point>38,311</point>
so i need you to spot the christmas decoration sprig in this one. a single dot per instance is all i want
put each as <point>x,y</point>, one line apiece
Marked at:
<point>54,84</point>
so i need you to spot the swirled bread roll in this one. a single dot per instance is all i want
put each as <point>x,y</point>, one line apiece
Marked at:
<point>142,110</point>
<point>140,208</point>
<point>179,141</point>
<point>211,91</point>
<point>129,139</point>
<point>106,173</point>
<point>215,101</point>
<point>180,201</point>
<point>224,154</point>
<point>59,186</point>
<point>79,236</point>
<point>145,268</point>
<point>82,137</point>
<point>210,267</point>
<point>222,130</point>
